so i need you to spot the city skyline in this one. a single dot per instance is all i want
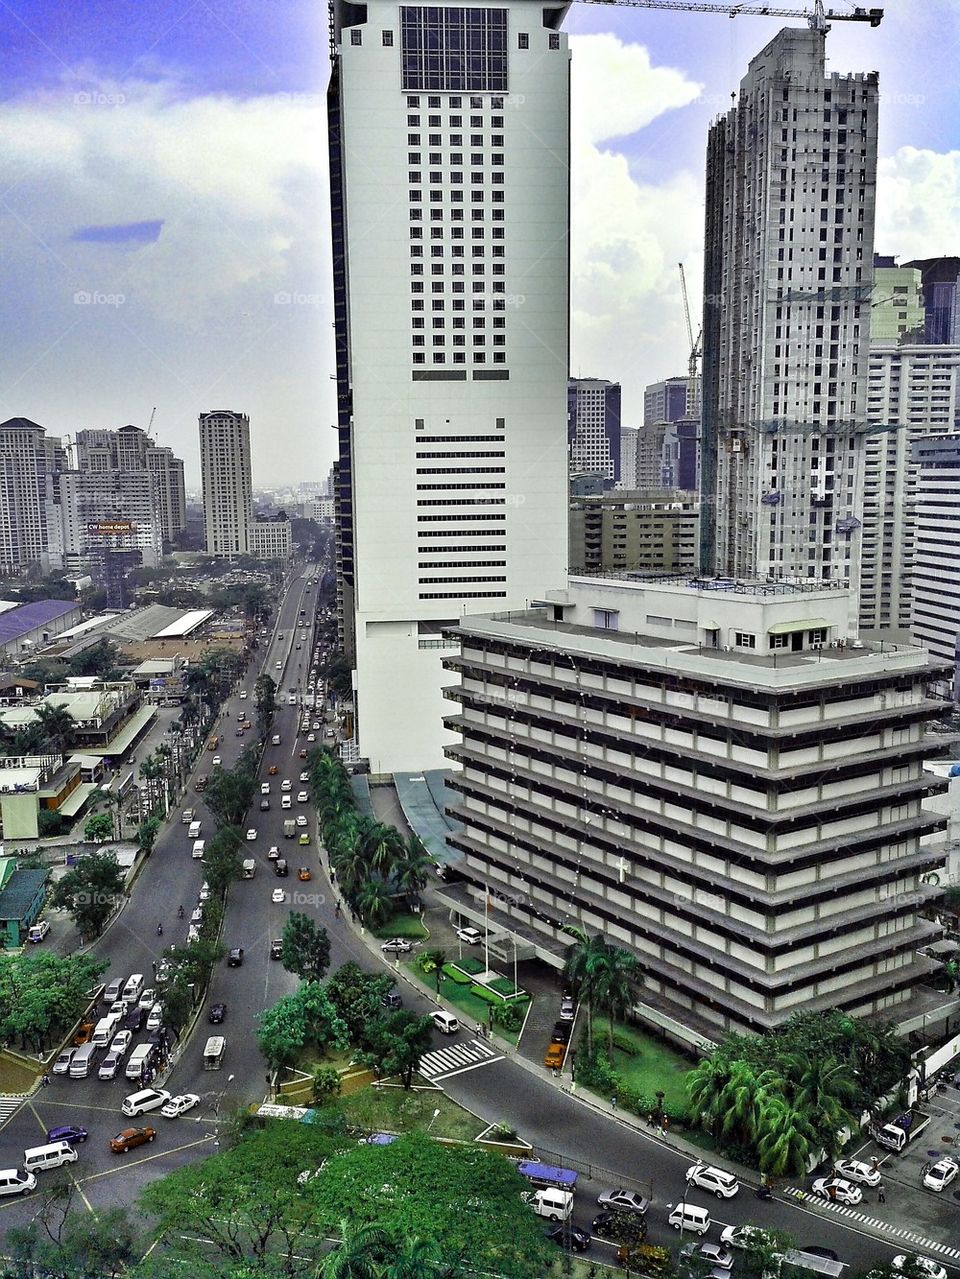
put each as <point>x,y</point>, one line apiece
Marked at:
<point>222,267</point>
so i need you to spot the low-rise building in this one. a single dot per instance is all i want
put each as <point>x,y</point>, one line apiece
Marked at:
<point>29,626</point>
<point>718,776</point>
<point>22,894</point>
<point>650,530</point>
<point>271,539</point>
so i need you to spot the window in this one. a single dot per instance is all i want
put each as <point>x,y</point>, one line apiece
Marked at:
<point>435,42</point>
<point>356,37</point>
<point>387,38</point>
<point>554,40</point>
<point>523,40</point>
<point>744,639</point>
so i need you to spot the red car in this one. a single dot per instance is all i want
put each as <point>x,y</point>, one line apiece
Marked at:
<point>129,1138</point>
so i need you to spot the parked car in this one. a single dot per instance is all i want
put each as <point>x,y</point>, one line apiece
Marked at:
<point>743,1236</point>
<point>578,1238</point>
<point>837,1190</point>
<point>930,1267</point>
<point>38,930</point>
<point>217,1013</point>
<point>941,1174</point>
<point>276,949</point>
<point>396,946</point>
<point>109,1066</point>
<point>155,1019</point>
<point>130,1138</point>
<point>72,1133</point>
<point>235,957</point>
<point>567,1008</point>
<point>723,1184</point>
<point>561,1033</point>
<point>714,1254</point>
<point>62,1065</point>
<point>177,1106</point>
<point>623,1200</point>
<point>472,936</point>
<point>857,1171</point>
<point>620,1227</point>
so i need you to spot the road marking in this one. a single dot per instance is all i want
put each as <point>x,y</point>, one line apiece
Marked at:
<point>927,1245</point>
<point>145,1159</point>
<point>9,1106</point>
<point>443,1063</point>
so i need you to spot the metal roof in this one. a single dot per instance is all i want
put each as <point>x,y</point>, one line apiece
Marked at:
<point>184,624</point>
<point>27,617</point>
<point>21,892</point>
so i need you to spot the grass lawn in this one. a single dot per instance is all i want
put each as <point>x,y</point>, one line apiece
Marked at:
<point>653,1067</point>
<point>401,1110</point>
<point>408,926</point>
<point>474,1010</point>
<point>15,1077</point>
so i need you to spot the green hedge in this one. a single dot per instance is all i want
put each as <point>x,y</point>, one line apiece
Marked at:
<point>504,986</point>
<point>455,975</point>
<point>469,965</point>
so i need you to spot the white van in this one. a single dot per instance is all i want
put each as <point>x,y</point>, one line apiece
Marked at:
<point>286,801</point>
<point>193,831</point>
<point>12,1182</point>
<point>264,788</point>
<point>140,1060</point>
<point>692,1217</point>
<point>276,739</point>
<point>138,1103</point>
<point>81,1060</point>
<point>52,1156</point>
<point>198,847</point>
<point>552,1203</point>
<point>133,987</point>
<point>104,1030</point>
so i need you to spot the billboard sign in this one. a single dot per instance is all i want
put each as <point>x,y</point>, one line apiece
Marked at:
<point>111,528</point>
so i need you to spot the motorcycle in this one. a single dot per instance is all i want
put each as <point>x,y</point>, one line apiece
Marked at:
<point>763,1192</point>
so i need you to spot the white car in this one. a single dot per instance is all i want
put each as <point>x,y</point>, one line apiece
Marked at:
<point>837,1190</point>
<point>264,788</point>
<point>857,1171</point>
<point>446,1023</point>
<point>311,737</point>
<point>121,1042</point>
<point>109,1067</point>
<point>304,776</point>
<point>243,694</point>
<point>303,797</point>
<point>273,853</point>
<point>180,1105</point>
<point>472,936</point>
<point>941,1174</point>
<point>396,945</point>
<point>286,784</point>
<point>316,726</point>
<point>743,1236</point>
<point>155,1020</point>
<point>926,1264</point>
<point>279,666</point>
<point>723,1184</point>
<point>204,894</point>
<point>251,834</point>
<point>138,1103</point>
<point>301,819</point>
<point>278,896</point>
<point>148,998</point>
<point>216,761</point>
<point>62,1065</point>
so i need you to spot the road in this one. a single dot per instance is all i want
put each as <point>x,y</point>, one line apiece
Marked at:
<point>494,1087</point>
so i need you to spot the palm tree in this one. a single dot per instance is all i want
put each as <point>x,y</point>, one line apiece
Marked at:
<point>585,960</point>
<point>352,868</point>
<point>705,1085</point>
<point>412,868</point>
<point>375,902</point>
<point>359,1255</point>
<point>617,979</point>
<point>414,1259</point>
<point>381,844</point>
<point>824,1090</point>
<point>437,958</point>
<point>57,726</point>
<point>743,1101</point>
<point>786,1138</point>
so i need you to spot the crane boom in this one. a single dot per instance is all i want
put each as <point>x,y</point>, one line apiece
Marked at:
<point>686,309</point>
<point>817,19</point>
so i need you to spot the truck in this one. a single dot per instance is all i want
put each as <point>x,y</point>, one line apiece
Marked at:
<point>544,1175</point>
<point>554,1058</point>
<point>289,828</point>
<point>213,1051</point>
<point>248,869</point>
<point>140,1061</point>
<point>900,1132</point>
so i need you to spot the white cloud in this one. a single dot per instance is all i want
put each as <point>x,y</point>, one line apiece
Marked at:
<point>918,203</point>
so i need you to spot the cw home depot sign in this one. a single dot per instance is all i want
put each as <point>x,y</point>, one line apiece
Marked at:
<point>110,528</point>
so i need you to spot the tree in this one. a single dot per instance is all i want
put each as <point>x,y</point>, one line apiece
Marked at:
<point>380,845</point>
<point>89,891</point>
<point>305,1017</point>
<point>411,871</point>
<point>147,833</point>
<point>42,995</point>
<point>99,659</point>
<point>265,693</point>
<point>397,1042</point>
<point>762,1251</point>
<point>436,959</point>
<point>306,948</point>
<point>103,1245</point>
<point>584,960</point>
<point>823,1090</point>
<point>786,1138</point>
<point>57,726</point>
<point>98,828</point>
<point>615,985</point>
<point>230,791</point>
<point>375,902</point>
<point>357,997</point>
<point>222,858</point>
<point>114,805</point>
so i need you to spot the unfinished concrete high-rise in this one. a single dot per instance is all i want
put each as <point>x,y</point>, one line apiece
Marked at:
<point>791,187</point>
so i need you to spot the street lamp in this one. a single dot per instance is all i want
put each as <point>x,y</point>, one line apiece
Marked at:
<point>435,1114</point>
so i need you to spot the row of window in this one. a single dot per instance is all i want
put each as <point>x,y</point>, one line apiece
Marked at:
<point>459,357</point>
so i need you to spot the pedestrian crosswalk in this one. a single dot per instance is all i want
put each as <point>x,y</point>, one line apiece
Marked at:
<point>912,1241</point>
<point>8,1104</point>
<point>468,1055</point>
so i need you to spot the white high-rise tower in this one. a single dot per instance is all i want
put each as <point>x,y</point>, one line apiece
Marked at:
<point>227,482</point>
<point>449,157</point>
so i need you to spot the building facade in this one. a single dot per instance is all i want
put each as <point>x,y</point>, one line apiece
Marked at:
<point>272,539</point>
<point>665,401</point>
<point>724,781</point>
<point>791,190</point>
<point>593,426</point>
<point>227,482</point>
<point>940,280</point>
<point>911,396</point>
<point>936,568</point>
<point>103,511</point>
<point>99,451</point>
<point>649,530</point>
<point>449,197</point>
<point>30,467</point>
<point>896,308</point>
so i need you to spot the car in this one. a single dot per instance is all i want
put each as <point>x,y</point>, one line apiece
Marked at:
<point>109,1066</point>
<point>566,1234</point>
<point>446,1023</point>
<point>155,1020</point>
<point>119,1008</point>
<point>816,1251</point>
<point>304,838</point>
<point>929,1267</point>
<point>303,797</point>
<point>251,834</point>
<point>216,762</point>
<point>217,1014</point>
<point>138,1103</point>
<point>130,1138</point>
<point>620,1227</point>
<point>713,1254</point>
<point>472,936</point>
<point>241,714</point>
<point>837,1190</point>
<point>246,724</point>
<point>304,873</point>
<point>567,1008</point>
<point>857,1171</point>
<point>623,1201</point>
<point>264,788</point>
<point>272,770</point>
<point>273,852</point>
<point>311,737</point>
<point>723,1184</point>
<point>62,1065</point>
<point>276,948</point>
<point>316,727</point>
<point>121,1042</point>
<point>286,784</point>
<point>299,646</point>
<point>112,991</point>
<point>264,805</point>
<point>204,894</point>
<point>941,1174</point>
<point>561,1033</point>
<point>17,1183</point>
<point>38,930</point>
<point>304,776</point>
<point>278,896</point>
<point>84,1033</point>
<point>135,1018</point>
<point>396,946</point>
<point>392,1000</point>
<point>148,998</point>
<point>301,819</point>
<point>243,694</point>
<point>235,957</point>
<point>238,732</point>
<point>177,1106</point>
<point>303,753</point>
<point>744,1237</point>
<point>71,1133</point>
<point>278,666</point>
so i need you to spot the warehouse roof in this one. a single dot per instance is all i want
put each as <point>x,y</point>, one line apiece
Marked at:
<point>23,619</point>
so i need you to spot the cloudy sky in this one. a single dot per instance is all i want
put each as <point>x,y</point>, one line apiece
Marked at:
<point>163,222</point>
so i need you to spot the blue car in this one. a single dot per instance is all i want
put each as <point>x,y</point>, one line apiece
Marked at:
<point>72,1133</point>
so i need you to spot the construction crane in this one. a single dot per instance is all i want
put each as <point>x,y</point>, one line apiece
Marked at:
<point>692,408</point>
<point>818,19</point>
<point>153,414</point>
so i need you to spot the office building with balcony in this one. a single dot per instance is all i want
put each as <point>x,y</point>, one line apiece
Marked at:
<point>648,530</point>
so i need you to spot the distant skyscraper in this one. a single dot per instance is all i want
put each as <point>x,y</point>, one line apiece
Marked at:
<point>791,185</point>
<point>227,482</point>
<point>106,511</point>
<point>665,401</point>
<point>30,467</point>
<point>132,449</point>
<point>941,298</point>
<point>896,308</point>
<point>593,426</point>
<point>936,572</point>
<point>628,457</point>
<point>449,180</point>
